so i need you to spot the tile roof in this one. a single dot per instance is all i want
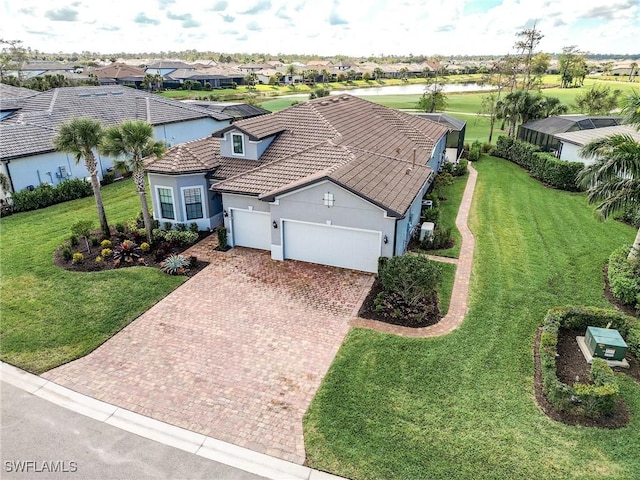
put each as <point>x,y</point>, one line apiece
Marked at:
<point>9,91</point>
<point>238,111</point>
<point>374,151</point>
<point>162,64</point>
<point>109,104</point>
<point>564,123</point>
<point>117,70</point>
<point>377,152</point>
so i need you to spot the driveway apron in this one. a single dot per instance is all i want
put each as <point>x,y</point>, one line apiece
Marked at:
<point>236,352</point>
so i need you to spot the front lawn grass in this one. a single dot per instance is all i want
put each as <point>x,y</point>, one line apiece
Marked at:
<point>462,406</point>
<point>51,316</point>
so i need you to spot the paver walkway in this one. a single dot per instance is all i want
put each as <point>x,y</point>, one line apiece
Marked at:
<point>459,296</point>
<point>235,353</point>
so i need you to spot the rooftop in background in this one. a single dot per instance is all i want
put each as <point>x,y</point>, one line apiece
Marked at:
<point>238,111</point>
<point>444,119</point>
<point>582,137</point>
<point>38,117</point>
<point>566,123</point>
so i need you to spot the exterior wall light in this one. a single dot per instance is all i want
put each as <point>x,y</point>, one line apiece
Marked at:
<point>225,213</point>
<point>385,240</point>
<point>275,224</point>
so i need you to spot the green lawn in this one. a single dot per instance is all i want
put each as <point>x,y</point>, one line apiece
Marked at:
<point>461,406</point>
<point>51,316</point>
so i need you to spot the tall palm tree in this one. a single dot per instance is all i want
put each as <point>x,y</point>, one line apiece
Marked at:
<point>613,180</point>
<point>133,140</point>
<point>80,137</point>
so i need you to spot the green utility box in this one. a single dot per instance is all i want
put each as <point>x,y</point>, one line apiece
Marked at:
<point>605,343</point>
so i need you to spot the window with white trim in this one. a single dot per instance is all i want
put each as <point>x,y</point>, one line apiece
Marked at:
<point>192,202</point>
<point>165,197</point>
<point>237,144</point>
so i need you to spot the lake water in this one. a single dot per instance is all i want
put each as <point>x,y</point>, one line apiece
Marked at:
<point>413,89</point>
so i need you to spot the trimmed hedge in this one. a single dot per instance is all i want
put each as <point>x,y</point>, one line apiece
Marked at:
<point>589,400</point>
<point>45,195</point>
<point>624,277</point>
<point>542,166</point>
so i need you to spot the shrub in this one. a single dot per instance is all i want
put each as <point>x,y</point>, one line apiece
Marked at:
<point>174,264</point>
<point>108,178</point>
<point>78,258</point>
<point>106,243</point>
<point>73,240</point>
<point>120,228</point>
<point>168,226</point>
<point>460,169</point>
<point>144,246</point>
<point>412,277</point>
<point>106,252</point>
<point>66,252</point>
<point>441,239</point>
<point>45,195</point>
<point>181,227</point>
<point>94,241</point>
<point>222,237</point>
<point>486,147</point>
<point>431,215</point>
<point>193,227</point>
<point>624,276</point>
<point>99,259</point>
<point>180,237</point>
<point>474,152</point>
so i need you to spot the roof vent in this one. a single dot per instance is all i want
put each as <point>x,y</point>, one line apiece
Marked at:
<point>408,171</point>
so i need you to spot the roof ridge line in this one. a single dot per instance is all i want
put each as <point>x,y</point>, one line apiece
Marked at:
<point>54,97</point>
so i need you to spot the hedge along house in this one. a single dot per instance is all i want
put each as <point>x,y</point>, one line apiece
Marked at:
<point>26,134</point>
<point>336,181</point>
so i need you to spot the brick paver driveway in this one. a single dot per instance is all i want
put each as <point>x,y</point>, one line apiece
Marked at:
<point>235,353</point>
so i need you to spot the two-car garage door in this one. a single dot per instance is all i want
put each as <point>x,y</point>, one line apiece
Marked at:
<point>332,245</point>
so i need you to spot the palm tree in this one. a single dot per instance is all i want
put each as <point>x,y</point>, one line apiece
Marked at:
<point>133,139</point>
<point>80,136</point>
<point>613,180</point>
<point>291,71</point>
<point>325,75</point>
<point>632,68</point>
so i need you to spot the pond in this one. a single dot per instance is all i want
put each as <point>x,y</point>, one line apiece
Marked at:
<point>413,89</point>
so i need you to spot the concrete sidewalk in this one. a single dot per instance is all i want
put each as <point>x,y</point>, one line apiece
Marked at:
<point>195,443</point>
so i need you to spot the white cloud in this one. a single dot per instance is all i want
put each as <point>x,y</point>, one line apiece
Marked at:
<point>368,27</point>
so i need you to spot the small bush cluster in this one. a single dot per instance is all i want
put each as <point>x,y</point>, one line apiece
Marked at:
<point>45,195</point>
<point>456,169</point>
<point>542,166</point>
<point>624,277</point>
<point>474,151</point>
<point>178,237</point>
<point>78,258</point>
<point>441,239</point>
<point>221,232</point>
<point>590,400</point>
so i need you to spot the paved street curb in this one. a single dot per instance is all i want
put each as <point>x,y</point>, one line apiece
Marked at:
<point>198,444</point>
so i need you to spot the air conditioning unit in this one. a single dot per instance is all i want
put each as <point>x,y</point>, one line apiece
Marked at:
<point>427,204</point>
<point>426,230</point>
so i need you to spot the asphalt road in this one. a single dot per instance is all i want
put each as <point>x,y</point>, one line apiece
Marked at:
<point>41,440</point>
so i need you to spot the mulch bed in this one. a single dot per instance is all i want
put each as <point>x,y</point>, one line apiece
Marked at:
<point>149,259</point>
<point>570,364</point>
<point>398,313</point>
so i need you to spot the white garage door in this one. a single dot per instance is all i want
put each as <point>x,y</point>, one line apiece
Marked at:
<point>331,245</point>
<point>251,229</point>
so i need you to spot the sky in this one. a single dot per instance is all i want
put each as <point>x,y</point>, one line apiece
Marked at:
<point>320,27</point>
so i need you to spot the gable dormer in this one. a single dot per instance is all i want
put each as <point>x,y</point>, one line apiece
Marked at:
<point>236,143</point>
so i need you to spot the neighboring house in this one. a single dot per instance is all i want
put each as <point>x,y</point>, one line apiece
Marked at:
<point>26,137</point>
<point>33,69</point>
<point>337,181</point>
<point>254,67</point>
<point>119,74</point>
<point>542,132</point>
<point>203,78</point>
<point>239,111</point>
<point>167,67</point>
<point>570,143</point>
<point>455,137</point>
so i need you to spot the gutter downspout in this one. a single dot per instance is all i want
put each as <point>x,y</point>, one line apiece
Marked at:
<point>6,167</point>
